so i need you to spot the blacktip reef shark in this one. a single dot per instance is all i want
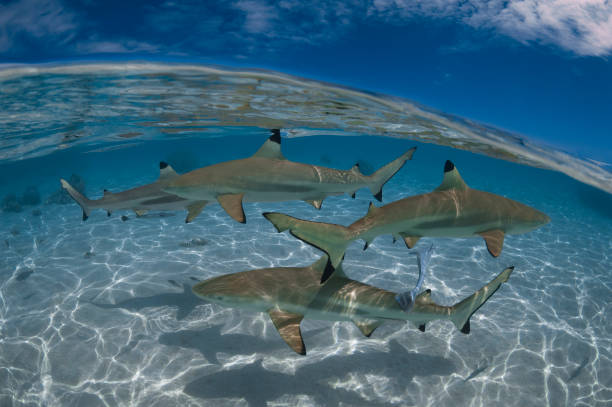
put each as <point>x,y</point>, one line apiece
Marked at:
<point>140,199</point>
<point>290,294</point>
<point>451,210</point>
<point>268,176</point>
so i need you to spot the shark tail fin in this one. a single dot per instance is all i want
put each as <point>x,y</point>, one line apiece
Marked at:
<point>380,177</point>
<point>78,197</point>
<point>462,311</point>
<point>330,238</point>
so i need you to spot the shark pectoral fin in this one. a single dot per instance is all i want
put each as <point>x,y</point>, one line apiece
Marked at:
<point>140,212</point>
<point>316,203</point>
<point>166,172</point>
<point>288,326</point>
<point>232,204</point>
<point>452,179</point>
<point>367,326</point>
<point>494,240</point>
<point>272,147</point>
<point>194,210</point>
<point>410,241</point>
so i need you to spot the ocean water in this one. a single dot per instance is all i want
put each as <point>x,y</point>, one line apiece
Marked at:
<point>101,312</point>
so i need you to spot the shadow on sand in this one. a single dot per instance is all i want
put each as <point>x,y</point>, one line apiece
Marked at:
<point>257,385</point>
<point>185,302</point>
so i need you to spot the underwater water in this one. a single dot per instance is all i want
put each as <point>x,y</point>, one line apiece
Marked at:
<point>100,312</point>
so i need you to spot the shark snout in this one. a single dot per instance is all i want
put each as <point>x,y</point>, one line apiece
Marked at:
<point>541,218</point>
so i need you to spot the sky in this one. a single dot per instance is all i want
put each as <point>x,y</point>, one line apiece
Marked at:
<point>541,68</point>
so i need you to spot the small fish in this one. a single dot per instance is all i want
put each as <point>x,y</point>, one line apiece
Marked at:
<point>89,254</point>
<point>24,275</point>
<point>124,218</point>
<point>194,242</point>
<point>481,367</point>
<point>579,369</point>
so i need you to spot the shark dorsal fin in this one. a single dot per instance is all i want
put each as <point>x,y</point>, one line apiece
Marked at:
<point>367,326</point>
<point>272,147</point>
<point>452,179</point>
<point>288,326</point>
<point>424,298</point>
<point>166,171</point>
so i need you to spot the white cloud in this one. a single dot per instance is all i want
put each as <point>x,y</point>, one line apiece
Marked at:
<point>115,47</point>
<point>35,18</point>
<point>258,15</point>
<point>580,26</point>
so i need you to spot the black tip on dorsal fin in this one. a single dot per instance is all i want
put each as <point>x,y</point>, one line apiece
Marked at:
<point>105,190</point>
<point>162,165</point>
<point>378,196</point>
<point>449,166</point>
<point>356,165</point>
<point>353,195</point>
<point>466,328</point>
<point>85,216</point>
<point>275,137</point>
<point>365,246</point>
<point>428,291</point>
<point>329,269</point>
<point>422,327</point>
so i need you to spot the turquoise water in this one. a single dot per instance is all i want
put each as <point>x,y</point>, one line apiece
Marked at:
<point>101,313</point>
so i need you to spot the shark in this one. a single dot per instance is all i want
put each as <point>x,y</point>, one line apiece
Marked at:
<point>268,176</point>
<point>452,210</point>
<point>290,294</point>
<point>140,199</point>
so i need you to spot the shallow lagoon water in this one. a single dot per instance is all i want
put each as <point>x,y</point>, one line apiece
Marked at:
<point>101,313</point>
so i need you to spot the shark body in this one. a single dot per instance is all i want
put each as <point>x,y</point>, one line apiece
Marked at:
<point>452,210</point>
<point>268,176</point>
<point>290,294</point>
<point>140,199</point>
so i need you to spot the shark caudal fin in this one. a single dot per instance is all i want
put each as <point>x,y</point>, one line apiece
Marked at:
<point>461,312</point>
<point>330,238</point>
<point>380,177</point>
<point>78,197</point>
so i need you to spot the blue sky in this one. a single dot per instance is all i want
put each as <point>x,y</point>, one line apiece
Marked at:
<point>538,67</point>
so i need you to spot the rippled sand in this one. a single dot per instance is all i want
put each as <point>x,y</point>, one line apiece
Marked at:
<point>104,314</point>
